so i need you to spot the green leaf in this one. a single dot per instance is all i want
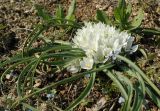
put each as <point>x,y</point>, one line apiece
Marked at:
<point>147,31</point>
<point>27,75</point>
<point>21,78</point>
<point>61,82</point>
<point>138,98</point>
<point>143,53</point>
<point>118,83</point>
<point>49,47</point>
<point>13,66</point>
<point>136,68</point>
<point>140,87</point>
<point>43,13</point>
<point>13,59</point>
<point>126,83</point>
<point>139,92</point>
<point>137,20</point>
<point>32,37</point>
<point>119,12</point>
<point>117,15</point>
<point>60,55</point>
<point>71,10</point>
<point>128,11</point>
<point>83,94</point>
<point>59,13</point>
<point>152,95</point>
<point>122,14</point>
<point>127,104</point>
<point>72,18</point>
<point>101,16</point>
<point>58,63</point>
<point>59,47</point>
<point>150,31</point>
<point>121,4</point>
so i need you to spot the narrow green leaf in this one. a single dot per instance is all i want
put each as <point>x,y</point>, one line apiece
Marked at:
<point>128,88</point>
<point>118,83</point>
<point>72,18</point>
<point>21,78</point>
<point>152,95</point>
<point>62,42</point>
<point>147,31</point>
<point>60,55</point>
<point>139,93</point>
<point>28,39</point>
<point>135,67</point>
<point>35,36</point>
<point>59,47</point>
<point>13,59</point>
<point>37,62</point>
<point>121,4</point>
<point>128,11</point>
<point>139,89</point>
<point>101,16</point>
<point>43,13</point>
<point>61,82</point>
<point>143,53</point>
<point>50,47</point>
<point>59,13</point>
<point>119,12</point>
<point>150,31</point>
<point>28,74</point>
<point>13,66</point>
<point>83,94</point>
<point>71,9</point>
<point>138,98</point>
<point>117,15</point>
<point>137,20</point>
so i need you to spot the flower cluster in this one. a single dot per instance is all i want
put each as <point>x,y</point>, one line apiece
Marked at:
<point>100,43</point>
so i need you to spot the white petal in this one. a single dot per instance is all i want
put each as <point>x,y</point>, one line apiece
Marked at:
<point>129,43</point>
<point>134,48</point>
<point>73,69</point>
<point>87,63</point>
<point>101,42</point>
<point>115,44</point>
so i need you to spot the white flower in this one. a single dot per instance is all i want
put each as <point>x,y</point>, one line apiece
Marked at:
<point>74,67</point>
<point>101,42</point>
<point>133,49</point>
<point>86,63</point>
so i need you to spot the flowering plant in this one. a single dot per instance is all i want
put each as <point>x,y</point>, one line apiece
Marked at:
<point>100,43</point>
